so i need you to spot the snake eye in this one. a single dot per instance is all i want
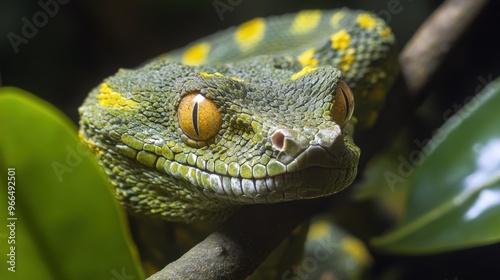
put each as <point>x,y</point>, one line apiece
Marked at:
<point>344,104</point>
<point>198,117</point>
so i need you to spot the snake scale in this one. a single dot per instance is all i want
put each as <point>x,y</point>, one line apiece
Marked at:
<point>258,113</point>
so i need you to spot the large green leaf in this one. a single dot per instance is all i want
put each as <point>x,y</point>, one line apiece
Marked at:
<point>67,224</point>
<point>454,201</point>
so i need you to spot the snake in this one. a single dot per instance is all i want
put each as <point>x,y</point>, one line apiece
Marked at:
<point>260,113</point>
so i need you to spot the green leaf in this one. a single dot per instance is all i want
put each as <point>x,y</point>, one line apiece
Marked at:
<point>67,223</point>
<point>454,201</point>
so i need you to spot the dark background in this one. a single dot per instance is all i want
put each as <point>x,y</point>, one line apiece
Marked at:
<point>86,41</point>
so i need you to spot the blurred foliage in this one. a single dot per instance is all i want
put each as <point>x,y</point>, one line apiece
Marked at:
<point>454,193</point>
<point>68,225</point>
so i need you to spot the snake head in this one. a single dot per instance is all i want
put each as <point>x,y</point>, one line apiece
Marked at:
<point>195,142</point>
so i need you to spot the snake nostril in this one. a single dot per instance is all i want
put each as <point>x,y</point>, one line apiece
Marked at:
<point>278,139</point>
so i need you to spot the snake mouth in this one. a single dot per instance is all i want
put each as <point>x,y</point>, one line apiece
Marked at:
<point>311,182</point>
<point>308,183</point>
<point>313,173</point>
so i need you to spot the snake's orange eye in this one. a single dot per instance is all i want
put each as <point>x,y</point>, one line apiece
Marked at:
<point>344,104</point>
<point>198,117</point>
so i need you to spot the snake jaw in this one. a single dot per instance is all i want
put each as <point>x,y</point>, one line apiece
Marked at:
<point>308,183</point>
<point>313,163</point>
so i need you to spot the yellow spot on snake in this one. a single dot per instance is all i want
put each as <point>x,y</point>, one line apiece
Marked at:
<point>305,21</point>
<point>250,33</point>
<point>357,250</point>
<point>307,58</point>
<point>306,70</point>
<point>318,230</point>
<point>334,20</point>
<point>347,60</point>
<point>237,79</point>
<point>340,40</point>
<point>196,54</point>
<point>206,75</point>
<point>90,143</point>
<point>108,97</point>
<point>366,21</point>
<point>385,32</point>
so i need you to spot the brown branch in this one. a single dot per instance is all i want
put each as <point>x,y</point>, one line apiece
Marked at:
<point>237,248</point>
<point>419,62</point>
<point>429,46</point>
<point>241,244</point>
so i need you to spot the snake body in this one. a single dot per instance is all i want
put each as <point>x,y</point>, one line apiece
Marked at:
<point>259,113</point>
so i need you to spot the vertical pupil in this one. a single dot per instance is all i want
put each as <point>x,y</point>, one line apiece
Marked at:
<point>346,100</point>
<point>195,119</point>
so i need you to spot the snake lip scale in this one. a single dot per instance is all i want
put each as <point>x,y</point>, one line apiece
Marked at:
<point>287,187</point>
<point>311,180</point>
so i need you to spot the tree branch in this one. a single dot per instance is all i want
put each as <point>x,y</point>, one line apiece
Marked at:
<point>419,62</point>
<point>242,243</point>
<point>429,46</point>
<point>237,248</point>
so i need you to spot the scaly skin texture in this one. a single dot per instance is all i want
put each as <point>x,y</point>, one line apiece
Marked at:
<point>274,83</point>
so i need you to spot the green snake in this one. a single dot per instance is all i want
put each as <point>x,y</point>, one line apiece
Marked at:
<point>258,113</point>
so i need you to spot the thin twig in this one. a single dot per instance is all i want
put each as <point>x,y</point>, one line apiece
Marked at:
<point>428,47</point>
<point>419,63</point>
<point>237,248</point>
